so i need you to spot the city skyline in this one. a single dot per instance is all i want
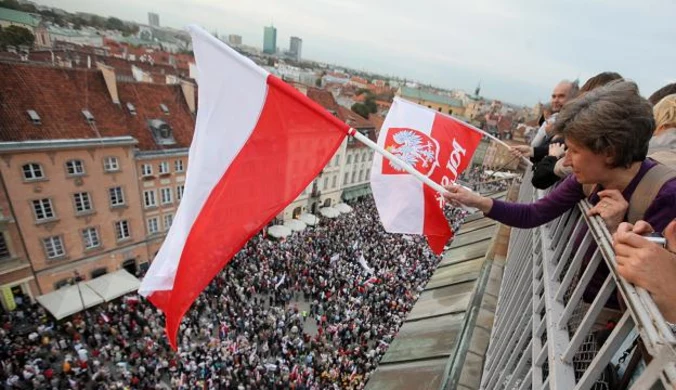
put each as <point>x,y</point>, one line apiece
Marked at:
<point>519,52</point>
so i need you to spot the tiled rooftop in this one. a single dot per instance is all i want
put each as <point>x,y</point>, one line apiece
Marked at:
<point>59,95</point>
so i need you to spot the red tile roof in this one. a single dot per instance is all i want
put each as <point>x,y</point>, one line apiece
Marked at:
<point>146,98</point>
<point>59,95</point>
<point>377,121</point>
<point>325,99</point>
<point>355,120</point>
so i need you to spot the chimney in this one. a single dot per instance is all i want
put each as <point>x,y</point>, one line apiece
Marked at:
<point>108,73</point>
<point>188,90</point>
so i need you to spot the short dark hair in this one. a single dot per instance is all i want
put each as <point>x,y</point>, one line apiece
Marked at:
<point>658,95</point>
<point>600,80</point>
<point>611,118</point>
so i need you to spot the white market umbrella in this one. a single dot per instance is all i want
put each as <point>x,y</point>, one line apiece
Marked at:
<point>343,208</point>
<point>279,231</point>
<point>295,225</point>
<point>329,212</point>
<point>309,219</point>
<point>114,285</point>
<point>68,300</point>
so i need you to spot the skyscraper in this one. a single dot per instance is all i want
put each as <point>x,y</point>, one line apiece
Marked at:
<point>153,19</point>
<point>270,40</point>
<point>295,47</point>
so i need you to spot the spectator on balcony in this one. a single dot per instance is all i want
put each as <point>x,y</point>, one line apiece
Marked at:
<point>607,132</point>
<point>661,93</point>
<point>547,160</point>
<point>664,137</point>
<point>563,92</point>
<point>648,265</point>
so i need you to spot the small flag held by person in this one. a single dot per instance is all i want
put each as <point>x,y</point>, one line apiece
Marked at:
<point>436,145</point>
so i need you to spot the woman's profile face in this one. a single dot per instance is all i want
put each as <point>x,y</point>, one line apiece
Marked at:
<point>588,167</point>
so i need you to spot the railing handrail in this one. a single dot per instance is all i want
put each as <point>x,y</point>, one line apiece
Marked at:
<point>549,351</point>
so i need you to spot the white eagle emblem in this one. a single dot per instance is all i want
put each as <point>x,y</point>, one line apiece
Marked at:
<point>411,148</point>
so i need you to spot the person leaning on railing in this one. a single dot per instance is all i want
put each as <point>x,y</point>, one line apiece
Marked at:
<point>607,132</point>
<point>649,265</point>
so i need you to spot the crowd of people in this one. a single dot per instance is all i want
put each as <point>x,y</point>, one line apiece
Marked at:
<point>314,311</point>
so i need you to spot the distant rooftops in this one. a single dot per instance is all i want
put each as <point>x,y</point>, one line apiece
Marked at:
<point>19,17</point>
<point>418,94</point>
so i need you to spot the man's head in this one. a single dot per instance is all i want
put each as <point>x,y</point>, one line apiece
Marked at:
<point>563,92</point>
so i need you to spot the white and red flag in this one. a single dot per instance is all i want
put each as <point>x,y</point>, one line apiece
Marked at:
<point>258,143</point>
<point>436,145</point>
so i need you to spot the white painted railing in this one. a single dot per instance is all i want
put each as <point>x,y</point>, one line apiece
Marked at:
<point>544,335</point>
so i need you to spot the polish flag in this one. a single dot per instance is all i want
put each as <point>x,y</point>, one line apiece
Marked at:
<point>438,146</point>
<point>258,143</point>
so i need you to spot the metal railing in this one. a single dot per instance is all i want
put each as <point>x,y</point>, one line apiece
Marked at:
<point>545,336</point>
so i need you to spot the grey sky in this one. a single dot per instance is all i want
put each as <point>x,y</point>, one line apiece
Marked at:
<point>518,48</point>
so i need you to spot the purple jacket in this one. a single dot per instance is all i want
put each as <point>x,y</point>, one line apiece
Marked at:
<point>566,195</point>
<point>569,192</point>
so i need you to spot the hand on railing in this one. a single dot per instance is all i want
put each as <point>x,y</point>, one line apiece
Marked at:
<point>611,208</point>
<point>648,265</point>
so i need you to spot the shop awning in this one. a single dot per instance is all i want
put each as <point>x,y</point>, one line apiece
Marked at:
<point>279,231</point>
<point>343,208</point>
<point>114,284</point>
<point>309,219</point>
<point>69,300</point>
<point>329,212</point>
<point>295,225</point>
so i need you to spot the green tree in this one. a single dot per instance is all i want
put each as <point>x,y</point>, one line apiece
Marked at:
<point>318,82</point>
<point>16,36</point>
<point>370,105</point>
<point>361,109</point>
<point>115,24</point>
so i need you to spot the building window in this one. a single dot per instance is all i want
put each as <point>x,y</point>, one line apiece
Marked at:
<point>122,231</point>
<point>53,247</point>
<point>116,196</point>
<point>354,174</point>
<point>83,202</point>
<point>146,170</point>
<point>43,209</point>
<point>164,167</point>
<point>4,248</point>
<point>368,174</point>
<point>99,272</point>
<point>347,176</point>
<point>153,225</point>
<point>75,168</point>
<point>61,284</point>
<point>149,199</point>
<point>361,175</point>
<point>333,182</point>
<point>111,164</point>
<point>337,159</point>
<point>178,166</point>
<point>349,159</point>
<point>165,195</point>
<point>168,220</point>
<point>32,171</point>
<point>179,192</point>
<point>90,237</point>
<point>326,183</point>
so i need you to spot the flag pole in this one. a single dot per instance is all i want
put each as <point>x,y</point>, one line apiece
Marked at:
<point>366,141</point>
<point>478,130</point>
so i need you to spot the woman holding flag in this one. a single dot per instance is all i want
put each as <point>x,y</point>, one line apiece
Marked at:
<point>607,133</point>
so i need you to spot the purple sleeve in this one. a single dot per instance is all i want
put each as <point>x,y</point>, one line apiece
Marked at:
<point>663,209</point>
<point>526,216</point>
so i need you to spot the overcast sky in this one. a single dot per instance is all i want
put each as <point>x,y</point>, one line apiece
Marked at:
<point>518,48</point>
